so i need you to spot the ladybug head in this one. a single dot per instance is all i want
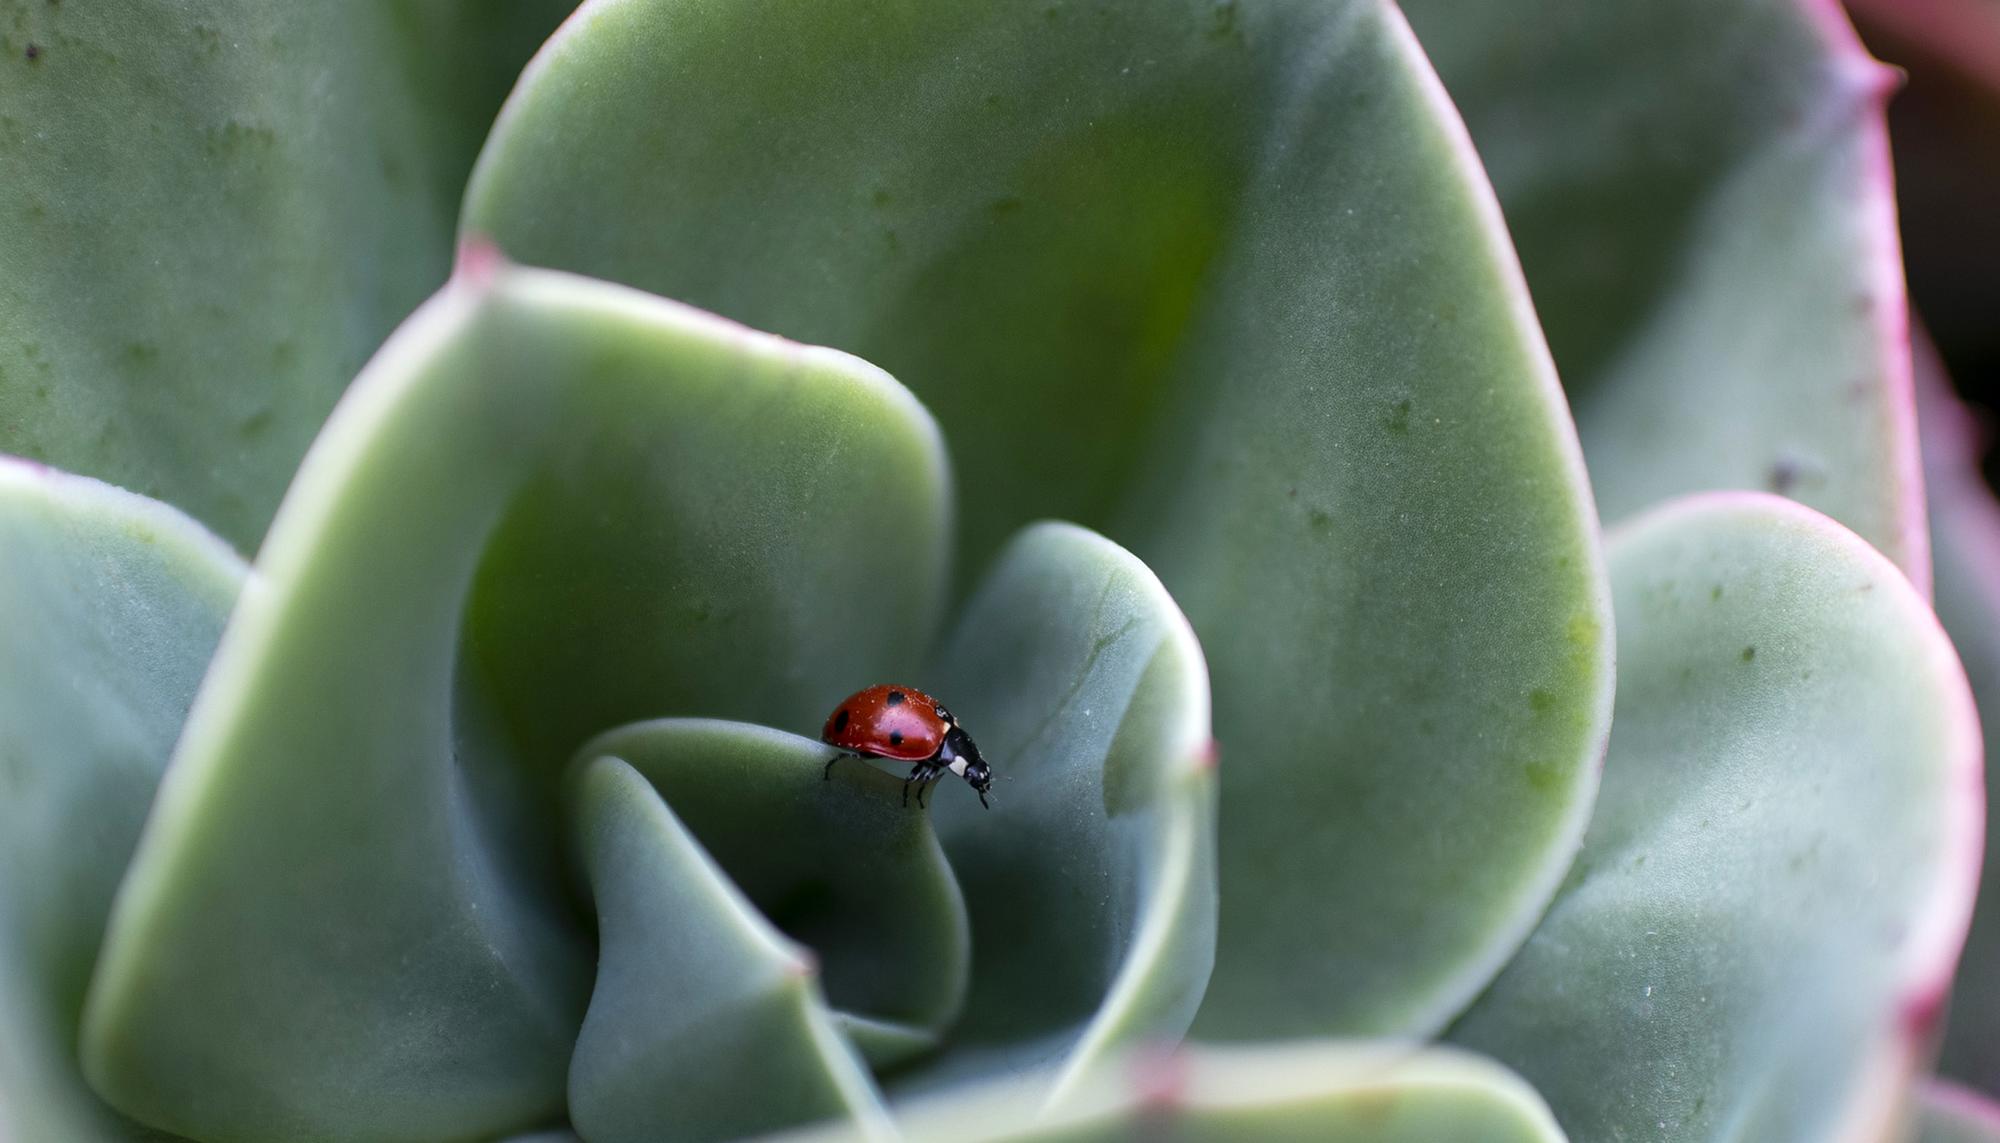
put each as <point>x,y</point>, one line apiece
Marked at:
<point>966,762</point>
<point>979,776</point>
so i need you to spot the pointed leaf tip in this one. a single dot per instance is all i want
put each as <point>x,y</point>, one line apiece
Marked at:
<point>480,260</point>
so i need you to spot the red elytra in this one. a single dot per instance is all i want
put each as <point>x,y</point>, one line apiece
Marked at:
<point>902,723</point>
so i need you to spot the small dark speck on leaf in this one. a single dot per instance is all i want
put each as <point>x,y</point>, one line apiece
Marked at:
<point>1398,421</point>
<point>1715,593</point>
<point>256,424</point>
<point>1784,476</point>
<point>1224,18</point>
<point>1004,206</point>
<point>34,52</point>
<point>1749,653</point>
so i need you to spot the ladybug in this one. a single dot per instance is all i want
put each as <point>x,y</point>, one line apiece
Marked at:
<point>906,725</point>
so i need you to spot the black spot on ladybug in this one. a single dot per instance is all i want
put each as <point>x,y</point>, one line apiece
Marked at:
<point>895,698</point>
<point>34,52</point>
<point>943,714</point>
<point>840,721</point>
<point>895,738</point>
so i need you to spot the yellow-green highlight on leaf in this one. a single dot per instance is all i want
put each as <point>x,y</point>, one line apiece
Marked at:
<point>1325,1091</point>
<point>548,507</point>
<point>1758,936</point>
<point>111,605</point>
<point>1224,282</point>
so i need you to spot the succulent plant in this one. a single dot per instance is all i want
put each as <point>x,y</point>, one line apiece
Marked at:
<point>1183,419</point>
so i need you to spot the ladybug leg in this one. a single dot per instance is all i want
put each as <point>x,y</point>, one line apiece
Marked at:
<point>922,775</point>
<point>828,776</point>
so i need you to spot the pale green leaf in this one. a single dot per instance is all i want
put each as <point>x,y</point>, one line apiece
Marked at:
<point>1758,935</point>
<point>111,605</point>
<point>704,1023</point>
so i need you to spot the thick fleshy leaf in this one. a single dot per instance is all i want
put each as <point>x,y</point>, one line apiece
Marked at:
<point>1328,1092</point>
<point>111,605</point>
<point>1945,124</point>
<point>705,1022</point>
<point>1947,1113</point>
<point>1700,192</point>
<point>1091,881</point>
<point>549,506</point>
<point>214,210</point>
<point>1223,281</point>
<point>1758,935</point>
<point>1965,539</point>
<point>840,865</point>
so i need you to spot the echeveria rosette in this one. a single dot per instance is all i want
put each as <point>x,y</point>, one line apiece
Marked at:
<point>1224,282</point>
<point>1221,280</point>
<point>504,442</point>
<point>437,889</point>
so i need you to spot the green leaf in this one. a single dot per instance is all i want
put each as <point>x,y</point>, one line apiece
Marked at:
<point>705,1023</point>
<point>1965,544</point>
<point>1309,1090</point>
<point>1947,1113</point>
<point>1091,881</point>
<point>111,605</point>
<point>548,506</point>
<point>1759,932</point>
<point>1223,281</point>
<point>840,865</point>
<point>1700,192</point>
<point>214,211</point>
